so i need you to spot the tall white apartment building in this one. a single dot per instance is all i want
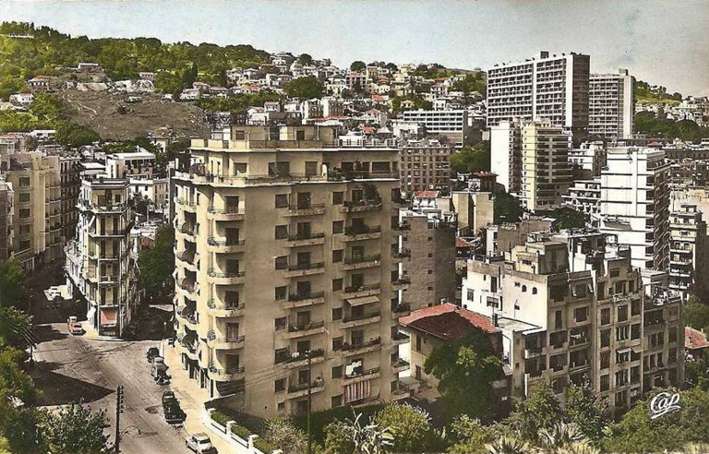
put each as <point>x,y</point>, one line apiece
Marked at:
<point>450,123</point>
<point>585,196</point>
<point>688,250</point>
<point>635,200</point>
<point>611,105</point>
<point>99,262</point>
<point>553,88</point>
<point>506,154</point>
<point>546,175</point>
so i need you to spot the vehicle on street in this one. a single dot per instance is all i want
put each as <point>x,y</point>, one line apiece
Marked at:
<point>158,367</point>
<point>73,325</point>
<point>200,443</point>
<point>152,353</point>
<point>168,396</point>
<point>173,413</point>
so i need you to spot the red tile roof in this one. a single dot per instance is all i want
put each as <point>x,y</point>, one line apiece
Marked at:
<point>694,339</point>
<point>460,242</point>
<point>447,321</point>
<point>426,194</point>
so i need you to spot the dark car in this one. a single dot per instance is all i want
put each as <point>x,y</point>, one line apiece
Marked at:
<point>152,353</point>
<point>173,412</point>
<point>168,396</point>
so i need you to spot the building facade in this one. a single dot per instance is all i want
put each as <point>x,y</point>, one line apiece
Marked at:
<point>688,251</point>
<point>452,124</point>
<point>284,244</point>
<point>506,154</point>
<point>611,105</point>
<point>70,170</point>
<point>424,165</point>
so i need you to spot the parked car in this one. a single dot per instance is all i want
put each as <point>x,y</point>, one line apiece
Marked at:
<point>73,325</point>
<point>168,396</point>
<point>152,353</point>
<point>173,413</point>
<point>200,443</point>
<point>158,367</point>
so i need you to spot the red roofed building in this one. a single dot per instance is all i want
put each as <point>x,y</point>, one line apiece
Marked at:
<point>695,342</point>
<point>434,326</point>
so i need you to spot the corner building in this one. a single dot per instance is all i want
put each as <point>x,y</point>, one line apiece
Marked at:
<point>286,248</point>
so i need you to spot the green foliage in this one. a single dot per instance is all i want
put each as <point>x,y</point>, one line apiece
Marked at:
<point>419,103</point>
<point>14,323</point>
<point>337,439</point>
<point>654,94</point>
<point>507,208</point>
<point>696,314</point>
<point>18,424</point>
<point>304,88</point>
<point>354,436</point>
<point>636,432</point>
<point>471,83</point>
<point>471,159</point>
<point>538,412</point>
<point>568,218</point>
<point>697,372</point>
<point>586,412</point>
<point>358,65</point>
<point>662,127</point>
<point>466,369</point>
<point>469,436</point>
<point>319,420</point>
<point>432,71</point>
<point>408,425</point>
<point>73,135</point>
<point>75,429</point>
<point>305,59</point>
<point>283,434</point>
<point>157,264</point>
<point>12,280</point>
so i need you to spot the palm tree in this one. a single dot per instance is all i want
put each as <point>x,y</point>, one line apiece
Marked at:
<point>561,435</point>
<point>509,444</point>
<point>369,438</point>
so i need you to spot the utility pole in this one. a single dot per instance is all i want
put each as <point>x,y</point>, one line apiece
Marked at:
<point>310,399</point>
<point>120,400</point>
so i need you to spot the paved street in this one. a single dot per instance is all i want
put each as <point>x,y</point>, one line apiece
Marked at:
<point>71,368</point>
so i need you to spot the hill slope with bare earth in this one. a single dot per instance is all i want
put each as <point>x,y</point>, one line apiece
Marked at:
<point>113,118</point>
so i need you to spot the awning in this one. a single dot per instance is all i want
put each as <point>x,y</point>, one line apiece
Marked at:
<point>109,317</point>
<point>357,391</point>
<point>363,300</point>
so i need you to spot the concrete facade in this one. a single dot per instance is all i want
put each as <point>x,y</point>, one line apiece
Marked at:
<point>611,108</point>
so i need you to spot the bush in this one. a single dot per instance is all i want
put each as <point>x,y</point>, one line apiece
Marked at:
<point>320,420</point>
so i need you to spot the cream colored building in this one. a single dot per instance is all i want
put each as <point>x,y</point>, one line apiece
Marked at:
<point>284,249</point>
<point>99,262</point>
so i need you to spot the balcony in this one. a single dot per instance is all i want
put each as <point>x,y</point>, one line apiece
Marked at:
<point>305,329</point>
<point>188,229</point>
<point>303,300</point>
<point>401,282</point>
<point>403,254</point>
<point>222,311</point>
<point>354,321</point>
<point>218,278</point>
<point>224,343</point>
<point>186,205</point>
<point>232,374</point>
<point>296,360</point>
<point>358,263</point>
<point>361,291</point>
<point>305,269</point>
<point>400,365</point>
<point>400,338</point>
<point>401,226</point>
<point>189,286</point>
<point>532,352</point>
<point>225,214</point>
<point>311,239</point>
<point>359,375</point>
<point>306,210</point>
<point>576,366</point>
<point>188,259</point>
<point>223,246</point>
<point>361,348</point>
<point>401,310</point>
<point>361,206</point>
<point>362,233</point>
<point>298,390</point>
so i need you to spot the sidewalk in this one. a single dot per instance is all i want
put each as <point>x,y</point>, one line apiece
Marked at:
<point>191,398</point>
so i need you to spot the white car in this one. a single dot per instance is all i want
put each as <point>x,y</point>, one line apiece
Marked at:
<point>200,443</point>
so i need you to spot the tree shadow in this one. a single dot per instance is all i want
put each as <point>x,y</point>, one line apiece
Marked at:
<point>60,389</point>
<point>46,333</point>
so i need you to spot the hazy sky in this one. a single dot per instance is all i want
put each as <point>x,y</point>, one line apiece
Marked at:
<point>663,42</point>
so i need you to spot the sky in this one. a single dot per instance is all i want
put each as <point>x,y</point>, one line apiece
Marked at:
<point>662,42</point>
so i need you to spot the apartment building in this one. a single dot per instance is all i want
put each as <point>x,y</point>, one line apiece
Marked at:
<point>452,124</point>
<point>7,197</point>
<point>688,250</point>
<point>635,199</point>
<point>284,242</point>
<point>36,219</point>
<point>428,248</point>
<point>553,88</point>
<point>611,105</point>
<point>424,165</point>
<point>585,197</point>
<point>100,263</point>
<point>587,160</point>
<point>546,175</point>
<point>137,164</point>
<point>572,309</point>
<point>506,154</point>
<point>70,174</point>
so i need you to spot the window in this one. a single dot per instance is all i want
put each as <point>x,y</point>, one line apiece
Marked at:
<point>605,382</point>
<point>281,200</point>
<point>337,255</point>
<point>337,372</point>
<point>281,293</point>
<point>557,320</point>
<point>471,295</point>
<point>622,313</point>
<point>281,262</point>
<point>281,232</point>
<point>337,343</point>
<point>338,227</point>
<point>336,313</point>
<point>280,385</point>
<point>239,134</point>
<point>24,196</point>
<point>337,401</point>
<point>338,198</point>
<point>635,331</point>
<point>337,284</point>
<point>605,360</point>
<point>524,289</point>
<point>605,338</point>
<point>418,343</point>
<point>311,168</point>
<point>581,314</point>
<point>534,290</point>
<point>605,316</point>
<point>24,212</point>
<point>621,333</point>
<point>281,323</point>
<point>24,181</point>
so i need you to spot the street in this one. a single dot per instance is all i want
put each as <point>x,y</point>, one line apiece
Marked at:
<point>74,368</point>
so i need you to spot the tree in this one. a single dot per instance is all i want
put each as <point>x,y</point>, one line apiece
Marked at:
<point>352,436</point>
<point>696,314</point>
<point>473,82</point>
<point>358,65</point>
<point>537,413</point>
<point>304,88</point>
<point>507,208</point>
<point>18,420</point>
<point>281,433</point>
<point>305,59</point>
<point>470,437</point>
<point>157,264</point>
<point>75,430</point>
<point>568,218</point>
<point>12,279</point>
<point>586,412</point>
<point>14,327</point>
<point>472,159</point>
<point>410,426</point>
<point>391,67</point>
<point>73,135</point>
<point>466,369</point>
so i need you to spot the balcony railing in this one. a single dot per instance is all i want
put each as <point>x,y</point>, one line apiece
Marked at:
<point>362,205</point>
<point>305,296</point>
<point>355,346</point>
<point>362,230</point>
<point>363,259</point>
<point>362,372</point>
<point>305,236</point>
<point>354,318</point>
<point>306,266</point>
<point>305,326</point>
<point>287,357</point>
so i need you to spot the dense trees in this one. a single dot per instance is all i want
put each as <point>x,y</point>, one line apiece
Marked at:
<point>696,314</point>
<point>11,283</point>
<point>661,127</point>
<point>358,65</point>
<point>507,208</point>
<point>471,83</point>
<point>157,264</point>
<point>304,88</point>
<point>568,218</point>
<point>471,159</point>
